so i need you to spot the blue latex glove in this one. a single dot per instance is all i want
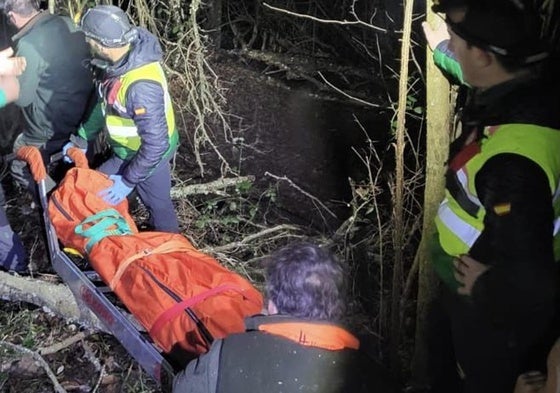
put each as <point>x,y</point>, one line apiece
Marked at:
<point>117,192</point>
<point>65,148</point>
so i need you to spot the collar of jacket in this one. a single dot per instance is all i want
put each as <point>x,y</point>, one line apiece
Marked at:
<point>145,49</point>
<point>41,17</point>
<point>531,99</point>
<point>319,334</point>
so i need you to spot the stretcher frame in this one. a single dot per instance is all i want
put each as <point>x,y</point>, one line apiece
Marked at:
<point>93,298</point>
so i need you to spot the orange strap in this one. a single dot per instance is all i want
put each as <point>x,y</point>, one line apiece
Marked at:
<point>172,312</point>
<point>329,337</point>
<point>77,155</point>
<point>164,248</point>
<point>32,156</point>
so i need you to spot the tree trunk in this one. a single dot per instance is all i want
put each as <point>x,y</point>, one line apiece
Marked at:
<point>437,141</point>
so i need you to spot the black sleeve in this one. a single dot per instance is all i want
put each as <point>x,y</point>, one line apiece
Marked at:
<point>517,240</point>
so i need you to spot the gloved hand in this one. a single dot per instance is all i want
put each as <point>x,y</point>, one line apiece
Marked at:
<point>117,192</point>
<point>66,157</point>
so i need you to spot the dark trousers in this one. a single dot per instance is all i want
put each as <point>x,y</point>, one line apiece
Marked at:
<point>155,193</point>
<point>492,354</point>
<point>12,253</point>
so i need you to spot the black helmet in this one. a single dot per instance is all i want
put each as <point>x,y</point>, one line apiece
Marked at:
<point>109,25</point>
<point>445,5</point>
<point>511,28</point>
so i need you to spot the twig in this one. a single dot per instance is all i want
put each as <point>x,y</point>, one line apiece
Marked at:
<point>62,345</point>
<point>89,355</point>
<point>328,21</point>
<point>250,238</point>
<point>346,94</point>
<point>101,375</point>
<point>292,184</point>
<point>39,359</point>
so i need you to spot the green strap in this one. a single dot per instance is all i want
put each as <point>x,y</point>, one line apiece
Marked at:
<point>98,226</point>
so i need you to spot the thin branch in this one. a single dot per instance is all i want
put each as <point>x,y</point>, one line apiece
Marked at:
<point>63,344</point>
<point>39,359</point>
<point>248,239</point>
<point>328,21</point>
<point>346,94</point>
<point>292,184</point>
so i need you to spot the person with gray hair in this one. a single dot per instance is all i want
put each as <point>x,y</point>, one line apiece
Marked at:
<point>54,89</point>
<point>134,105</point>
<point>300,346</point>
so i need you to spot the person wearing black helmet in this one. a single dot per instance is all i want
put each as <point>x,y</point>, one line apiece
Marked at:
<point>135,107</point>
<point>498,227</point>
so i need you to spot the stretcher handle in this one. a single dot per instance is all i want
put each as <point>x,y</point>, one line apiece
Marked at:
<point>32,155</point>
<point>78,156</point>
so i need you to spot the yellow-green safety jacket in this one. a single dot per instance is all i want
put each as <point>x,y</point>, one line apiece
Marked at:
<point>123,132</point>
<point>135,108</point>
<point>460,217</point>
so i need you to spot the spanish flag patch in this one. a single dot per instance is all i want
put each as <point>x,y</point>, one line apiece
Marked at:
<point>140,111</point>
<point>501,209</point>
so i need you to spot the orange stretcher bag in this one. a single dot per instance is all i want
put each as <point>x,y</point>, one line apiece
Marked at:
<point>183,297</point>
<point>76,200</point>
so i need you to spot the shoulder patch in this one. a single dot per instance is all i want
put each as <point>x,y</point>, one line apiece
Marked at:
<point>501,209</point>
<point>140,111</point>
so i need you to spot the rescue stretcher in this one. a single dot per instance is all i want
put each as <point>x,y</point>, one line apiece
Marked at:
<point>92,294</point>
<point>232,297</point>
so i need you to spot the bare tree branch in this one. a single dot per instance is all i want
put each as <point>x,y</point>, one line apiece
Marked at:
<point>329,21</point>
<point>39,359</point>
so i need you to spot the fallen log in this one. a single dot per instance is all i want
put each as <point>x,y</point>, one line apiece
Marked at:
<point>52,297</point>
<point>216,186</point>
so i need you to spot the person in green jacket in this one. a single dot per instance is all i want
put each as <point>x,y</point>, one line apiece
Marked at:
<point>498,227</point>
<point>56,85</point>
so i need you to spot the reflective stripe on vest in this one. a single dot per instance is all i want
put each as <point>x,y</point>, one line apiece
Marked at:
<point>462,229</point>
<point>457,226</point>
<point>123,133</point>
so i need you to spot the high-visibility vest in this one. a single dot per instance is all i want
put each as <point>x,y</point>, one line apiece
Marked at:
<point>460,217</point>
<point>123,133</point>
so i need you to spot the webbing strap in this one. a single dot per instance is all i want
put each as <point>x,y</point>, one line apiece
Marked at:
<point>107,222</point>
<point>164,248</point>
<point>172,312</point>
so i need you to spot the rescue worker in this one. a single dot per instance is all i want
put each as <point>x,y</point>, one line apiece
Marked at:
<point>299,346</point>
<point>498,227</point>
<point>56,85</point>
<point>135,107</point>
